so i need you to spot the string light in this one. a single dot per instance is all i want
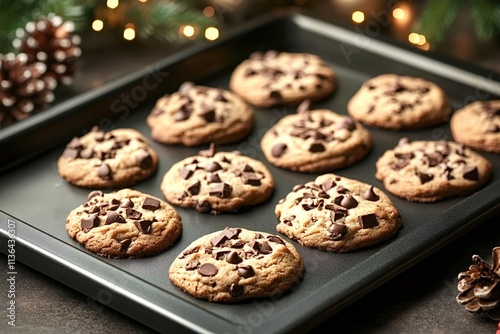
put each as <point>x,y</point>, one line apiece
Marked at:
<point>418,39</point>
<point>143,0</point>
<point>112,3</point>
<point>188,30</point>
<point>358,16</point>
<point>211,33</point>
<point>399,13</point>
<point>129,32</point>
<point>209,11</point>
<point>97,25</point>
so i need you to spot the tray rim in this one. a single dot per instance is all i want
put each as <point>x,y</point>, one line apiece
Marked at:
<point>318,311</point>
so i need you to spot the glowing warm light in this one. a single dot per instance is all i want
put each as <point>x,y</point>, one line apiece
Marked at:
<point>358,16</point>
<point>211,33</point>
<point>97,25</point>
<point>413,38</point>
<point>129,32</point>
<point>426,46</point>
<point>112,3</point>
<point>399,13</point>
<point>188,30</point>
<point>421,40</point>
<point>143,0</point>
<point>209,11</point>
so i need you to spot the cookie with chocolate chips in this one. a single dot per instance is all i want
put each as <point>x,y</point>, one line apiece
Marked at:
<point>236,264</point>
<point>337,214</point>
<point>213,182</point>
<point>477,125</point>
<point>196,115</point>
<point>428,171</point>
<point>279,78</point>
<point>315,141</point>
<point>114,159</point>
<point>399,102</point>
<point>124,224</point>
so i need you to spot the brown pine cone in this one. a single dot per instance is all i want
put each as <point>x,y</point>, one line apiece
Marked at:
<point>479,288</point>
<point>24,89</point>
<point>51,40</point>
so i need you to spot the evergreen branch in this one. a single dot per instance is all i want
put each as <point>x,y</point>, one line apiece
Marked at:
<point>437,17</point>
<point>486,17</point>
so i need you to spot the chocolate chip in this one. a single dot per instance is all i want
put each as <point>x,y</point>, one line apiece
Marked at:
<point>249,72</point>
<point>213,166</point>
<point>347,123</point>
<point>493,128</point>
<point>207,269</point>
<point>185,88</point>
<point>304,106</point>
<point>70,153</point>
<point>348,202</point>
<point>471,173</point>
<point>144,226</point>
<point>208,114</point>
<point>404,156</point>
<point>126,203</point>
<point>144,159</point>
<point>75,143</point>
<point>278,150</point>
<point>252,179</point>
<point>104,171</point>
<point>133,214</point>
<point>125,244</point>
<point>275,239</point>
<point>194,189</point>
<point>222,190</point>
<point>114,217</point>
<point>288,220</point>
<point>274,94</point>
<point>245,271</point>
<point>192,265</point>
<point>151,204</point>
<point>434,158</point>
<point>213,178</point>
<point>424,178</point>
<point>236,290</point>
<point>94,193</point>
<point>87,153</point>
<point>337,216</point>
<point>208,153</point>
<point>182,115</point>
<point>264,247</point>
<point>187,171</point>
<point>89,222</point>
<point>233,257</point>
<point>336,231</point>
<point>367,221</point>
<point>203,206</point>
<point>370,195</point>
<point>316,147</point>
<point>327,185</point>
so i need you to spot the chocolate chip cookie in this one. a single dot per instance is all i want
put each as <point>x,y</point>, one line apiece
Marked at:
<point>236,264</point>
<point>399,102</point>
<point>196,115</point>
<point>124,224</point>
<point>215,182</point>
<point>118,158</point>
<point>477,125</point>
<point>278,78</point>
<point>315,141</point>
<point>428,171</point>
<point>337,214</point>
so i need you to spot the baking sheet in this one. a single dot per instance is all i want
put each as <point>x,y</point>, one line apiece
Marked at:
<point>36,200</point>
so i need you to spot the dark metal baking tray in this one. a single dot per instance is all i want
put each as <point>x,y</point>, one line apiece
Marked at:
<point>35,201</point>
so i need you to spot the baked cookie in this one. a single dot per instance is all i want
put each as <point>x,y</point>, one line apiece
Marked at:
<point>124,224</point>
<point>315,141</point>
<point>477,125</point>
<point>279,78</point>
<point>428,171</point>
<point>337,214</point>
<point>236,264</point>
<point>196,115</point>
<point>399,102</point>
<point>114,159</point>
<point>215,182</point>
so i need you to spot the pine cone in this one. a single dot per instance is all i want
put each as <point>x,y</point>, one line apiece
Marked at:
<point>24,89</point>
<point>51,40</point>
<point>479,288</point>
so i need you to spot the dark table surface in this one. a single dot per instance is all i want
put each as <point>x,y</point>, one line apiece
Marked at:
<point>419,300</point>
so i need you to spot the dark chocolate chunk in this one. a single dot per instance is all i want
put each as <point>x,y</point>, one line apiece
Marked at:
<point>236,290</point>
<point>404,156</point>
<point>245,271</point>
<point>252,179</point>
<point>89,222</point>
<point>104,171</point>
<point>336,231</point>
<point>222,190</point>
<point>208,114</point>
<point>151,204</point>
<point>274,94</point>
<point>192,265</point>
<point>126,203</point>
<point>424,178</point>
<point>342,190</point>
<point>367,221</point>
<point>94,193</point>
<point>213,166</point>
<point>400,164</point>
<point>471,173</point>
<point>264,247</point>
<point>125,244</point>
<point>304,106</point>
<point>70,153</point>
<point>144,226</point>
<point>203,206</point>
<point>187,171</point>
<point>370,195</point>
<point>316,147</point>
<point>233,257</point>
<point>114,217</point>
<point>133,214</point>
<point>327,185</point>
<point>213,178</point>
<point>434,158</point>
<point>275,239</point>
<point>347,123</point>
<point>185,88</point>
<point>288,220</point>
<point>182,114</point>
<point>348,202</point>
<point>278,150</point>
<point>207,269</point>
<point>249,72</point>
<point>144,159</point>
<point>87,153</point>
<point>493,128</point>
<point>208,153</point>
<point>194,189</point>
<point>337,215</point>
